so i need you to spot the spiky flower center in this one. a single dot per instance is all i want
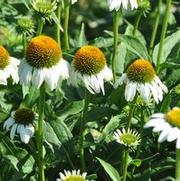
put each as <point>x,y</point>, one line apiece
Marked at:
<point>24,116</point>
<point>128,138</point>
<point>44,7</point>
<point>43,51</point>
<point>4,57</point>
<point>89,60</point>
<point>25,24</point>
<point>173,117</point>
<point>141,71</point>
<point>74,178</point>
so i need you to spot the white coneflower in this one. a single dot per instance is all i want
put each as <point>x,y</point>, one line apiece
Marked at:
<point>168,124</point>
<point>141,77</point>
<point>89,67</point>
<point>8,67</point>
<point>117,4</point>
<point>72,176</point>
<point>128,138</point>
<point>21,121</point>
<point>43,63</point>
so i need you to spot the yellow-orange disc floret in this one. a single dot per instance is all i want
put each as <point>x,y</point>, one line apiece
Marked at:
<point>173,117</point>
<point>74,178</point>
<point>43,51</point>
<point>4,57</point>
<point>141,71</point>
<point>89,60</point>
<point>24,116</point>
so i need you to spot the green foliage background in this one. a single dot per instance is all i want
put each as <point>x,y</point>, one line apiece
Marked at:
<point>91,23</point>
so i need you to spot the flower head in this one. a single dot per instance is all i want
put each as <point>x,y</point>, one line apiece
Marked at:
<point>141,77</point>
<point>128,138</point>
<point>117,4</point>
<point>43,51</point>
<point>89,67</point>
<point>21,121</point>
<point>25,25</point>
<point>168,124</point>
<point>89,60</point>
<point>8,67</point>
<point>44,8</point>
<point>72,176</point>
<point>43,63</point>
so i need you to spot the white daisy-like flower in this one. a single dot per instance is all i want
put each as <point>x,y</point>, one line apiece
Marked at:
<point>72,176</point>
<point>43,63</point>
<point>8,67</point>
<point>89,68</point>
<point>141,77</point>
<point>117,4</point>
<point>21,122</point>
<point>168,124</point>
<point>128,138</point>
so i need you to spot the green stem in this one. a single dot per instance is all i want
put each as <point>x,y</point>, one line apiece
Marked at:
<point>115,27</point>
<point>155,27</point>
<point>81,139</point>
<point>163,33</point>
<point>131,112</point>
<point>178,165</point>
<point>125,162</point>
<point>66,23</point>
<point>24,43</point>
<point>142,136</point>
<point>40,132</point>
<point>138,18</point>
<point>40,26</point>
<point>58,35</point>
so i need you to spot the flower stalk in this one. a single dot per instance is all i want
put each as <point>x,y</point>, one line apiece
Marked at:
<point>155,27</point>
<point>40,133</point>
<point>40,26</point>
<point>81,139</point>
<point>115,27</point>
<point>163,33</point>
<point>138,19</point>
<point>58,32</point>
<point>177,164</point>
<point>125,166</point>
<point>66,28</point>
<point>24,43</point>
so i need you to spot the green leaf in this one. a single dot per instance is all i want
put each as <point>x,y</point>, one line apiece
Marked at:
<point>71,109</point>
<point>56,21</point>
<point>82,38</point>
<point>110,170</point>
<point>61,130</point>
<point>135,46</point>
<point>136,162</point>
<point>169,43</point>
<point>12,160</point>
<point>120,58</point>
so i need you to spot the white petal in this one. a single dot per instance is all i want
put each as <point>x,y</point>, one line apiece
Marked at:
<point>164,134</point>
<point>8,123</point>
<point>164,88</point>
<point>130,91</point>
<point>25,72</point>
<point>178,143</point>
<point>154,93</point>
<point>13,131</point>
<point>154,123</point>
<point>173,134</point>
<point>38,77</point>
<point>121,80</point>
